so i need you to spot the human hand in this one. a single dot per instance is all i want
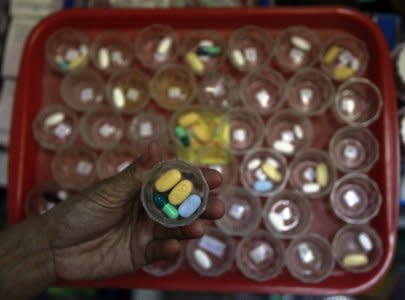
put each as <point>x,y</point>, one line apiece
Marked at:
<point>104,230</point>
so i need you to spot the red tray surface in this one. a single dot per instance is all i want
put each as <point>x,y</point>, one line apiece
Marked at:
<point>37,86</point>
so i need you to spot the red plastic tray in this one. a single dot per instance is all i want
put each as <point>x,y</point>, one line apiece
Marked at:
<point>37,86</point>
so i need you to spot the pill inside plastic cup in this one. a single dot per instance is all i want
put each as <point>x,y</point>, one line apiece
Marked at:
<point>202,259</point>
<point>174,193</point>
<point>365,242</point>
<point>306,254</point>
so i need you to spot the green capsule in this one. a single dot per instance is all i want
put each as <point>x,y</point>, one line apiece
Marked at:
<point>170,211</point>
<point>160,200</point>
<point>180,132</point>
<point>211,50</point>
<point>185,141</point>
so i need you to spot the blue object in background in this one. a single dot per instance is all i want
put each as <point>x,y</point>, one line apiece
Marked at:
<point>390,25</point>
<point>69,3</point>
<point>264,2</point>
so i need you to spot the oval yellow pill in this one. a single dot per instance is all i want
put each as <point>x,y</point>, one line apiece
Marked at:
<point>342,73</point>
<point>188,119</point>
<point>167,180</point>
<point>331,55</point>
<point>322,177</point>
<point>195,62</point>
<point>180,192</point>
<point>202,132</point>
<point>272,172</point>
<point>355,260</point>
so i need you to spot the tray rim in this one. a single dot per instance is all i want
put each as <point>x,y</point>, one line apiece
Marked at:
<point>21,127</point>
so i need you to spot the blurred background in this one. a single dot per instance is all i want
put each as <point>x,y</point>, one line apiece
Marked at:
<point>18,17</point>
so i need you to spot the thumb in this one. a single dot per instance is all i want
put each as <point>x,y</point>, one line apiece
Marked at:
<point>128,182</point>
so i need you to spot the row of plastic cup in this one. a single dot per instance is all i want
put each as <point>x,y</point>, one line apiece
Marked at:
<point>261,257</point>
<point>309,92</point>
<point>248,48</point>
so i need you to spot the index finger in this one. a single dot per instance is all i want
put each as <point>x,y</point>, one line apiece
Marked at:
<point>213,177</point>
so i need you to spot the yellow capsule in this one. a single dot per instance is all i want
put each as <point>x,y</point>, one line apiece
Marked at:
<point>213,160</point>
<point>195,62</point>
<point>167,180</point>
<point>76,62</point>
<point>355,260</point>
<point>322,177</point>
<point>342,73</point>
<point>271,172</point>
<point>226,134</point>
<point>188,119</point>
<point>202,132</point>
<point>180,192</point>
<point>331,55</point>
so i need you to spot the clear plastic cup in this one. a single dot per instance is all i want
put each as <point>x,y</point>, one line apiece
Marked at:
<point>115,160</point>
<point>156,45</point>
<point>218,159</point>
<point>55,126</point>
<point>146,127</point>
<point>312,173</point>
<point>240,130</point>
<point>165,267</point>
<point>260,256</point>
<point>357,248</point>
<point>74,167</point>
<point>398,62</point>
<point>218,90</point>
<point>343,57</point>
<point>242,212</point>
<point>358,102</point>
<point>102,128</point>
<point>43,198</point>
<point>192,127</point>
<point>287,215</point>
<point>250,47</point>
<point>356,198</point>
<point>263,91</point>
<point>310,258</point>
<point>127,91</point>
<point>296,48</point>
<point>83,89</point>
<point>111,50</point>
<point>310,92</point>
<point>204,51</point>
<point>173,87</point>
<point>169,193</point>
<point>263,172</point>
<point>288,132</point>
<point>354,149</point>
<point>66,50</point>
<point>213,254</point>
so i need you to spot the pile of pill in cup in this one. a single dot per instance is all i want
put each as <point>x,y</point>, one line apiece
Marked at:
<point>284,118</point>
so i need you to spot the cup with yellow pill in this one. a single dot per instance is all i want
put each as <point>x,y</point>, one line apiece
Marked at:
<point>204,51</point>
<point>263,172</point>
<point>250,47</point>
<point>312,173</point>
<point>357,248</point>
<point>111,51</point>
<point>67,49</point>
<point>343,57</point>
<point>191,127</point>
<point>174,193</point>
